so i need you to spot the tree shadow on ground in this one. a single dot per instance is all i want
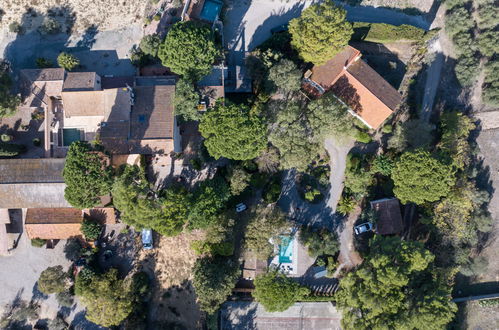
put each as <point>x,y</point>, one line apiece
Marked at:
<point>168,308</point>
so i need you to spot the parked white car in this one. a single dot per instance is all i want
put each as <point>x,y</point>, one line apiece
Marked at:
<point>240,207</point>
<point>363,228</point>
<point>147,242</point>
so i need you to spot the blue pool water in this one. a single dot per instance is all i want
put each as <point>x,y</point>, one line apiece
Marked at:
<point>210,10</point>
<point>285,249</point>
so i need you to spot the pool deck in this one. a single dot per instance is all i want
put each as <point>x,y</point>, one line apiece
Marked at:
<point>300,260</point>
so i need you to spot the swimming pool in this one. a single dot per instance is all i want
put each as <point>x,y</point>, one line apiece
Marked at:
<point>70,135</point>
<point>211,9</point>
<point>286,249</point>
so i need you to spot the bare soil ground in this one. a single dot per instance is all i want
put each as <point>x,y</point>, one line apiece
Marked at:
<point>104,14</point>
<point>482,318</point>
<point>173,300</point>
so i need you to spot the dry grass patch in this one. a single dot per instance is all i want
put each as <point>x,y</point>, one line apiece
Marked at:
<point>104,14</point>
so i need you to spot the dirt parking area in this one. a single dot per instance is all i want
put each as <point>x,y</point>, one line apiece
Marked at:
<point>107,15</point>
<point>173,302</point>
<point>20,271</point>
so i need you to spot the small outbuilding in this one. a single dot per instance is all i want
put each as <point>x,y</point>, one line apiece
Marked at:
<point>389,216</point>
<point>63,223</point>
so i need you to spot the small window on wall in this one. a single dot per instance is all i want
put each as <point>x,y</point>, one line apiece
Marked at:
<point>142,118</point>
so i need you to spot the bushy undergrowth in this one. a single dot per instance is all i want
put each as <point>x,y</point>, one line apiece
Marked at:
<point>380,32</point>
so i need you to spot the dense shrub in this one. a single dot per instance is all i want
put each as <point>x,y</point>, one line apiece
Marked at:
<point>276,292</point>
<point>381,32</point>
<point>491,83</point>
<point>38,242</point>
<point>91,229</point>
<point>50,26</point>
<point>67,61</point>
<point>15,27</point>
<point>53,280</point>
<point>319,242</point>
<point>11,149</point>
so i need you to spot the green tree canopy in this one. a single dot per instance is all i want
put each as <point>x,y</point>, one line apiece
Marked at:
<point>107,299</point>
<point>290,133</point>
<point>86,176</point>
<point>214,279</point>
<point>320,32</point>
<point>456,129</point>
<point>139,207</point>
<point>208,201</point>
<point>189,49</point>
<point>91,229</point>
<point>286,75</point>
<point>239,180</point>
<point>53,280</point>
<point>268,222</point>
<point>418,177</point>
<point>319,242</point>
<point>329,117</point>
<point>276,292</point>
<point>395,288</point>
<point>150,44</point>
<point>186,100</point>
<point>414,133</point>
<point>231,131</point>
<point>67,61</point>
<point>8,101</point>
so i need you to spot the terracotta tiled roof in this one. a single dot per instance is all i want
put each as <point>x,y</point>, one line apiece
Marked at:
<point>31,170</point>
<point>43,74</point>
<point>362,102</point>
<point>117,82</point>
<point>26,195</point>
<point>375,84</point>
<point>369,96</point>
<point>389,216</point>
<point>53,223</point>
<point>81,81</point>
<point>83,103</point>
<point>63,223</point>
<point>152,113</point>
<point>326,74</point>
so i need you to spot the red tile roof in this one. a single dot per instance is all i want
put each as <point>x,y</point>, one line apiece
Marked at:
<point>370,97</point>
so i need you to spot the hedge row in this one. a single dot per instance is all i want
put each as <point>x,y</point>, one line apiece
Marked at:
<point>381,32</point>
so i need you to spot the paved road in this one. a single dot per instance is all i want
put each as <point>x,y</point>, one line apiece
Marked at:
<point>321,214</point>
<point>338,155</point>
<point>248,23</point>
<point>432,79</point>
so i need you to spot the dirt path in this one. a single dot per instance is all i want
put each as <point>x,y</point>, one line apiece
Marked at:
<point>348,257</point>
<point>432,79</point>
<point>338,155</point>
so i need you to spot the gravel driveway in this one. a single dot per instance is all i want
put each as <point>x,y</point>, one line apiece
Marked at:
<point>321,214</point>
<point>248,23</point>
<point>105,52</point>
<point>20,271</point>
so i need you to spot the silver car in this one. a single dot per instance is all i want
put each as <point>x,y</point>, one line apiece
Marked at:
<point>147,242</point>
<point>363,228</point>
